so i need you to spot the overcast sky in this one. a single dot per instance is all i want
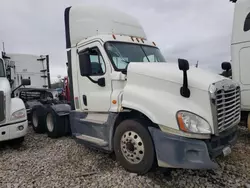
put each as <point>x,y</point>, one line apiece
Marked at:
<point>191,29</point>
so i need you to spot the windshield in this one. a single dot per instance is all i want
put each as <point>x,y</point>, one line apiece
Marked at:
<point>2,72</point>
<point>121,54</point>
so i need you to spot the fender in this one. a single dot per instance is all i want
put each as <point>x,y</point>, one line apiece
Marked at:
<point>61,109</point>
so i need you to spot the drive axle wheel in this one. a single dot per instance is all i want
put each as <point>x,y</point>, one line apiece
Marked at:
<point>50,122</point>
<point>37,120</point>
<point>248,121</point>
<point>55,125</point>
<point>134,147</point>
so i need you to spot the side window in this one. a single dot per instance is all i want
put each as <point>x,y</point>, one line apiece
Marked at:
<point>97,63</point>
<point>247,23</point>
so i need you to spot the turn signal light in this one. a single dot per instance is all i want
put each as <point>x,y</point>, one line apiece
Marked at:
<point>181,123</point>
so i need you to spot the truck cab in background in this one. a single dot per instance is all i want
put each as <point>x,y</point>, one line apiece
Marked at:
<point>239,68</point>
<point>13,117</point>
<point>27,66</point>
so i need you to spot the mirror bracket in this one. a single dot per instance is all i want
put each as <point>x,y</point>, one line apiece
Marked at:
<point>100,81</point>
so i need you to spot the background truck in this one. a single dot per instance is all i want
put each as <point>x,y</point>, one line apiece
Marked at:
<point>126,99</point>
<point>239,67</point>
<point>32,67</point>
<point>13,117</point>
<point>27,66</point>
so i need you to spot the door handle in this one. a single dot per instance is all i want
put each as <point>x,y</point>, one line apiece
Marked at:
<point>84,97</point>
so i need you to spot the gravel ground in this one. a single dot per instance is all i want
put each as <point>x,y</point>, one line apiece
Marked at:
<point>45,162</point>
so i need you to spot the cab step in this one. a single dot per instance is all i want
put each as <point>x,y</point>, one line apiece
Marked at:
<point>93,140</point>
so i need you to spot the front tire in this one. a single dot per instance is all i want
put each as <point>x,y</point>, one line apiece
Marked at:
<point>133,146</point>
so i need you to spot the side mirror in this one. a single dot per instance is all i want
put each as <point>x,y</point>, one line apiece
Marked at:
<point>85,64</point>
<point>183,64</point>
<point>26,82</point>
<point>101,82</point>
<point>226,66</point>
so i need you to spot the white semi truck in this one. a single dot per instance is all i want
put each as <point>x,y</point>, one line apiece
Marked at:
<point>240,54</point>
<point>125,98</point>
<point>13,117</point>
<point>27,66</point>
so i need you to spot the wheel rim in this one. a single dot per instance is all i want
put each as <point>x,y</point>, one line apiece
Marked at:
<point>35,119</point>
<point>49,122</point>
<point>132,147</point>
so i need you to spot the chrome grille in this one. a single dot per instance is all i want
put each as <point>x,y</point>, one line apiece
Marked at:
<point>227,105</point>
<point>2,106</point>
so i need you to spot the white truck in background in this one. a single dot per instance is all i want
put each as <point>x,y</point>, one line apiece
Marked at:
<point>13,116</point>
<point>125,98</point>
<point>27,66</point>
<point>32,67</point>
<point>239,67</point>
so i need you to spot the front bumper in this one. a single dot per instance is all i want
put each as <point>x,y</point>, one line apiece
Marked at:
<point>12,131</point>
<point>174,151</point>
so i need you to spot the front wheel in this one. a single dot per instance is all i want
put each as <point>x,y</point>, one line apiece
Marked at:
<point>134,147</point>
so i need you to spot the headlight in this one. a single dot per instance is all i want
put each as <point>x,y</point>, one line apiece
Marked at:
<point>18,114</point>
<point>192,123</point>
<point>212,89</point>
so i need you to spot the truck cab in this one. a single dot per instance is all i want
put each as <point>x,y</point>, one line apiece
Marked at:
<point>125,98</point>
<point>13,117</point>
<point>238,68</point>
<point>27,66</point>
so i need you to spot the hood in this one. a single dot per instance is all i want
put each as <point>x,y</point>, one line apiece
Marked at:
<point>4,84</point>
<point>197,78</point>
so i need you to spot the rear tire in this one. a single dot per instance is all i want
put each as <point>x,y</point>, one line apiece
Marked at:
<point>37,120</point>
<point>248,121</point>
<point>55,125</point>
<point>133,146</point>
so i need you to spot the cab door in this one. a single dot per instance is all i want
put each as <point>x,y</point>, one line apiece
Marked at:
<point>95,97</point>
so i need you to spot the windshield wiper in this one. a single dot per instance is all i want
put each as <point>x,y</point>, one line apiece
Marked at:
<point>125,61</point>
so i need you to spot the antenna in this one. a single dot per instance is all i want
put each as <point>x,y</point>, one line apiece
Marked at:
<point>3,47</point>
<point>197,64</point>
